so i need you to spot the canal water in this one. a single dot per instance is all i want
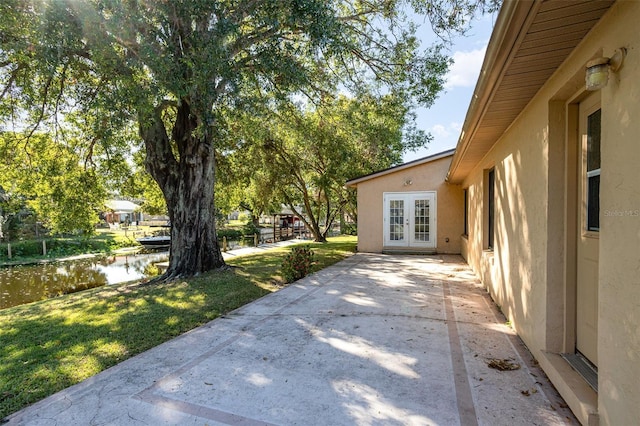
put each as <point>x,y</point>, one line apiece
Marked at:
<point>26,284</point>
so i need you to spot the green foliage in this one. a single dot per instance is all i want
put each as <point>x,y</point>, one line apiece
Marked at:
<point>250,228</point>
<point>302,156</point>
<point>350,229</point>
<point>297,264</point>
<point>11,205</point>
<point>140,184</point>
<point>48,175</point>
<point>61,247</point>
<point>230,234</point>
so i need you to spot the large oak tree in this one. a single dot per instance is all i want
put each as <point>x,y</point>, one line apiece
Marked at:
<point>301,156</point>
<point>175,67</point>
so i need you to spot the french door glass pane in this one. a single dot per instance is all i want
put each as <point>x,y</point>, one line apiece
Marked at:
<point>421,220</point>
<point>396,220</point>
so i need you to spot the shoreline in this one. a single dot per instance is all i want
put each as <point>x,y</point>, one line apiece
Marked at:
<point>44,261</point>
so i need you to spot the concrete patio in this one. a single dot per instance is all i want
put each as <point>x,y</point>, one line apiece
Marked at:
<point>374,339</point>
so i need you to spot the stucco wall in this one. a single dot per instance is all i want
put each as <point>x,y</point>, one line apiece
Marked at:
<point>425,177</point>
<point>619,290</point>
<point>526,272</point>
<point>515,269</point>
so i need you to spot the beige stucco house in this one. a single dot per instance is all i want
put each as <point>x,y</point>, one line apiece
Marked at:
<point>406,208</point>
<point>550,174</point>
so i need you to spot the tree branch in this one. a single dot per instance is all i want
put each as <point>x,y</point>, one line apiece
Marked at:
<point>11,80</point>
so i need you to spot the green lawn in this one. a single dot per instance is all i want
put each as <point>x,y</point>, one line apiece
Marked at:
<point>49,345</point>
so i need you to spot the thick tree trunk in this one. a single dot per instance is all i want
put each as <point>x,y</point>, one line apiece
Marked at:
<point>187,184</point>
<point>194,244</point>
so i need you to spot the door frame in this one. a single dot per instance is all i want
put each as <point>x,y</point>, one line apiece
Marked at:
<point>409,197</point>
<point>587,241</point>
<point>571,155</point>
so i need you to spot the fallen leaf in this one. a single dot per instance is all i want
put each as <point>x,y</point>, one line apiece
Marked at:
<point>503,364</point>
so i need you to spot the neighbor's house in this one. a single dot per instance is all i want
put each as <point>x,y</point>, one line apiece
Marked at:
<point>551,179</point>
<point>122,211</point>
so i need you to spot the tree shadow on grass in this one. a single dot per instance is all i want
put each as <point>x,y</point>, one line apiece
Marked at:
<point>51,345</point>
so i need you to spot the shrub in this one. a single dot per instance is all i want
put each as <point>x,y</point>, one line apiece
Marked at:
<point>250,228</point>
<point>350,229</point>
<point>231,234</point>
<point>297,264</point>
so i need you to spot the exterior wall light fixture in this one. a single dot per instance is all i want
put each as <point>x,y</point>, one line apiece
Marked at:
<point>597,74</point>
<point>408,182</point>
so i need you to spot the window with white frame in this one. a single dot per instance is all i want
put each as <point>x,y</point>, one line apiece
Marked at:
<point>593,171</point>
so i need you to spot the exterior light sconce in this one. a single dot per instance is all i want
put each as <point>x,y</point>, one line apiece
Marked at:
<point>597,74</point>
<point>408,182</point>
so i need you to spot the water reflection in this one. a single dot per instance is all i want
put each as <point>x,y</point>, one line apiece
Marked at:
<point>25,284</point>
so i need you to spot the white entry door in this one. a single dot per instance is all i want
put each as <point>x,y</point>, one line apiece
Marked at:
<point>588,230</point>
<point>410,219</point>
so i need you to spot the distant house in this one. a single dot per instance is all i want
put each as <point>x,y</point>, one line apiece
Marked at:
<point>549,170</point>
<point>122,211</point>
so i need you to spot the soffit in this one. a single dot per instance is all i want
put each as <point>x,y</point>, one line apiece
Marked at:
<point>530,40</point>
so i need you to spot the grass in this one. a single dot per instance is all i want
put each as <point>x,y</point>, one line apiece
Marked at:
<point>53,344</point>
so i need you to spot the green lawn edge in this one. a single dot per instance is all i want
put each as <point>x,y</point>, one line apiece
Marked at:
<point>50,345</point>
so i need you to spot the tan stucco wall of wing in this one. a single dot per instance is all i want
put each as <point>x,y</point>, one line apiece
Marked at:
<point>424,177</point>
<point>529,272</point>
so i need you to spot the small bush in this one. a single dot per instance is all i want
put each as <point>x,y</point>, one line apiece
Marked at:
<point>231,234</point>
<point>350,229</point>
<point>250,228</point>
<point>297,264</point>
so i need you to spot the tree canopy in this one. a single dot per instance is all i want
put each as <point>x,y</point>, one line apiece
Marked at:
<point>302,156</point>
<point>173,70</point>
<point>65,196</point>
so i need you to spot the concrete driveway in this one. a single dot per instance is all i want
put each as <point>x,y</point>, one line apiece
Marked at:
<point>374,339</point>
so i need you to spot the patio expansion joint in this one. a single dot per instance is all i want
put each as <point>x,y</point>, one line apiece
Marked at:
<point>259,317</point>
<point>464,396</point>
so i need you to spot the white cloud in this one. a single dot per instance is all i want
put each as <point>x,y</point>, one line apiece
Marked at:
<point>440,131</point>
<point>444,132</point>
<point>465,69</point>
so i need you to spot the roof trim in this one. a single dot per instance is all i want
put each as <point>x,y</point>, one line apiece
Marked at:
<point>414,163</point>
<point>121,205</point>
<point>513,15</point>
<point>531,40</point>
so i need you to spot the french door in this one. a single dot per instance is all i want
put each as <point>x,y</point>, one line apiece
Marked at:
<point>410,219</point>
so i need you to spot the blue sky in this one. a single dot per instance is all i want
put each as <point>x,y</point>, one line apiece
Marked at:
<point>445,118</point>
